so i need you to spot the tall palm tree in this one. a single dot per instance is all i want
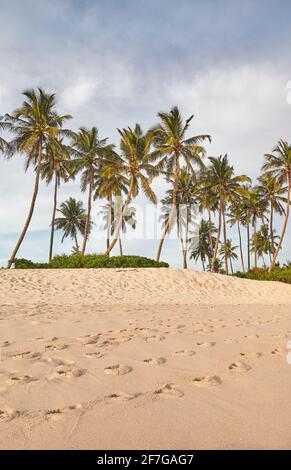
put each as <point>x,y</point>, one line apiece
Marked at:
<point>89,150</point>
<point>278,164</point>
<point>136,163</point>
<point>56,167</point>
<point>274,191</point>
<point>236,215</point>
<point>227,250</point>
<point>109,187</point>
<point>207,201</point>
<point>200,245</point>
<point>36,126</point>
<point>255,208</point>
<point>72,221</point>
<point>172,144</point>
<point>227,187</point>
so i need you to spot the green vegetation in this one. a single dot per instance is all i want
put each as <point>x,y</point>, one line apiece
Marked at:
<point>77,260</point>
<point>278,274</point>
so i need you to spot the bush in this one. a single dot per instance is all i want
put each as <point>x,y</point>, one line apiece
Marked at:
<point>278,274</point>
<point>91,261</point>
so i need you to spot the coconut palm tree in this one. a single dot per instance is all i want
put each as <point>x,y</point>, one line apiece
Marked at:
<point>227,250</point>
<point>278,164</point>
<point>263,243</point>
<point>89,151</point>
<point>173,145</point>
<point>207,201</point>
<point>236,216</point>
<point>136,163</point>
<point>56,167</point>
<point>227,187</point>
<point>200,245</point>
<point>72,221</point>
<point>274,191</point>
<point>36,126</point>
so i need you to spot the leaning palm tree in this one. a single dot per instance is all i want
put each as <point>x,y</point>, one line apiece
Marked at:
<point>56,167</point>
<point>227,187</point>
<point>278,164</point>
<point>136,163</point>
<point>36,126</point>
<point>72,221</point>
<point>89,151</point>
<point>227,250</point>
<point>172,144</point>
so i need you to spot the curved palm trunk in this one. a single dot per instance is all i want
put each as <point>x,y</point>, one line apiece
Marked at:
<point>248,246</point>
<point>87,224</point>
<point>120,246</point>
<point>32,206</point>
<point>240,247</point>
<point>225,239</point>
<point>284,226</point>
<point>53,217</point>
<point>173,209</point>
<point>119,223</point>
<point>272,230</point>
<point>218,236</point>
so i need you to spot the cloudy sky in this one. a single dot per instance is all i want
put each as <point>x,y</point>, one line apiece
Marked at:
<point>118,62</point>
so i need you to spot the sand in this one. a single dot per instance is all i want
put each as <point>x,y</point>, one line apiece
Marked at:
<point>143,358</point>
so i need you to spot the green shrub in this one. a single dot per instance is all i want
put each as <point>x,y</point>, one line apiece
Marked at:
<point>278,274</point>
<point>91,261</point>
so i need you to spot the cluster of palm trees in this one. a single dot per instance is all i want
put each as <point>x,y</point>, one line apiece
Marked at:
<point>204,199</point>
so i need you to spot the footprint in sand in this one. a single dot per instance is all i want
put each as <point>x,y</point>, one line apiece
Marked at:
<point>169,391</point>
<point>123,396</point>
<point>278,352</point>
<point>96,355</point>
<point>117,369</point>
<point>206,344</point>
<point>251,336</point>
<point>239,366</point>
<point>154,338</point>
<point>251,355</point>
<point>22,379</point>
<point>71,373</point>
<point>185,352</point>
<point>155,361</point>
<point>8,415</point>
<point>55,347</point>
<point>207,381</point>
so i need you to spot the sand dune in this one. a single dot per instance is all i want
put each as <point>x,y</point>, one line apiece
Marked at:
<point>143,358</point>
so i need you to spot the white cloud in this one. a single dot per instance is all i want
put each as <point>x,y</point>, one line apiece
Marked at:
<point>79,93</point>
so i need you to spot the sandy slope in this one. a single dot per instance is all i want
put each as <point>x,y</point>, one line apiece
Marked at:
<point>153,358</point>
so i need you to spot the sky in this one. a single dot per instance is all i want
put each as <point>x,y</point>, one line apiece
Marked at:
<point>115,63</point>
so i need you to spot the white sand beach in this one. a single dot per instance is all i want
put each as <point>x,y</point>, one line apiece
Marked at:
<point>143,358</point>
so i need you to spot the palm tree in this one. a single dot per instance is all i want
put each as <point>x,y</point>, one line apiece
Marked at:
<point>57,167</point>
<point>278,164</point>
<point>200,245</point>
<point>255,208</point>
<point>109,187</point>
<point>236,214</point>
<point>73,220</point>
<point>89,151</point>
<point>227,187</point>
<point>273,190</point>
<point>36,126</point>
<point>263,244</point>
<point>171,143</point>
<point>227,250</point>
<point>136,163</point>
<point>207,201</point>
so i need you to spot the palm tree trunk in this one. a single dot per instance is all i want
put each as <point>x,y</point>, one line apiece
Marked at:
<point>263,258</point>
<point>87,224</point>
<point>184,254</point>
<point>109,221</point>
<point>218,236</point>
<point>119,223</point>
<point>53,217</point>
<point>76,243</point>
<point>210,230</point>
<point>284,226</point>
<point>231,266</point>
<point>248,246</point>
<point>272,230</point>
<point>225,240</point>
<point>203,264</point>
<point>255,243</point>
<point>240,247</point>
<point>32,206</point>
<point>173,209</point>
<point>120,246</point>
